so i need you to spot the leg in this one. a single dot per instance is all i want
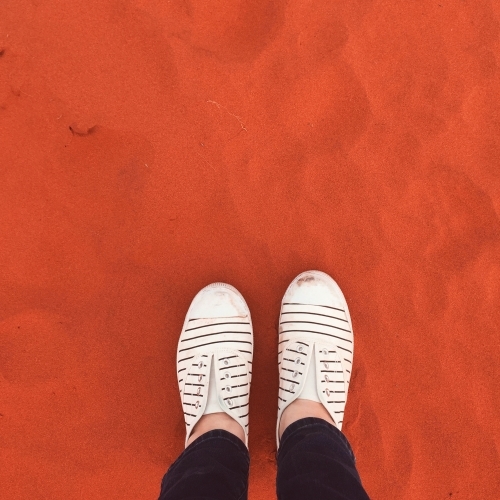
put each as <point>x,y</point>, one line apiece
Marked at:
<point>213,467</point>
<point>316,461</point>
<point>214,368</point>
<point>315,357</point>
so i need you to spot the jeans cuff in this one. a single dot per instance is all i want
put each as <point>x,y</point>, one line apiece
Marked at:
<point>315,425</point>
<point>211,435</point>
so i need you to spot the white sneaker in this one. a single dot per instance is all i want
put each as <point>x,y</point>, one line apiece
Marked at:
<point>315,347</point>
<point>214,356</point>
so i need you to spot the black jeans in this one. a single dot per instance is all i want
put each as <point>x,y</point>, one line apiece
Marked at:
<point>315,461</point>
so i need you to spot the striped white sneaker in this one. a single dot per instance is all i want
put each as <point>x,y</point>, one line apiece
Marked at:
<point>214,356</point>
<point>316,343</point>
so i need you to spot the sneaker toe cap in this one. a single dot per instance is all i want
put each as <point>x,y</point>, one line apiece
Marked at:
<point>315,288</point>
<point>218,301</point>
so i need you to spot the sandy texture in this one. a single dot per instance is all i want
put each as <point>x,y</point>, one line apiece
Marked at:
<point>150,147</point>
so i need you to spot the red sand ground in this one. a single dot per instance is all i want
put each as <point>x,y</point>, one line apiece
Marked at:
<point>247,142</point>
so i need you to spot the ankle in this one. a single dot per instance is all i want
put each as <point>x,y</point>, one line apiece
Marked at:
<point>213,421</point>
<point>303,408</point>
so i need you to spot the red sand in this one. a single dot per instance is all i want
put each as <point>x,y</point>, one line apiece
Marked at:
<point>151,147</point>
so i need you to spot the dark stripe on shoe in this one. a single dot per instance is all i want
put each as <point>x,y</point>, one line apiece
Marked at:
<point>314,305</point>
<point>216,333</point>
<point>315,323</point>
<point>216,342</point>
<point>217,324</point>
<point>315,314</point>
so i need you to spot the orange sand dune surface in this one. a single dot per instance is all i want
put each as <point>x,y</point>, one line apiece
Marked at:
<point>148,148</point>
